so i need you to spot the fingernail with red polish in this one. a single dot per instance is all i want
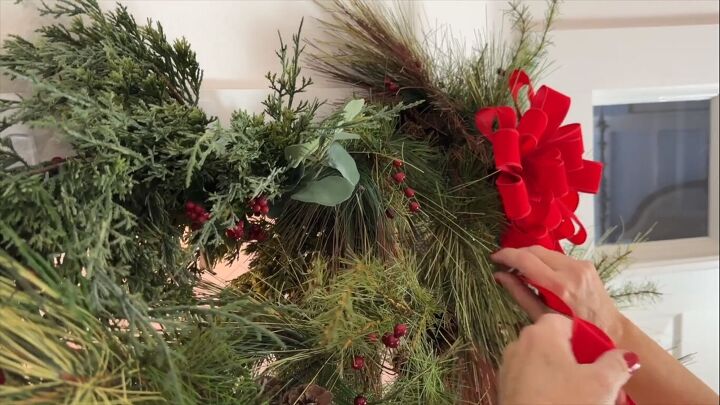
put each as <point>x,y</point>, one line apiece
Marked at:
<point>633,361</point>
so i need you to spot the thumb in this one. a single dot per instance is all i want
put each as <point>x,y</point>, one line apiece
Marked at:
<point>616,367</point>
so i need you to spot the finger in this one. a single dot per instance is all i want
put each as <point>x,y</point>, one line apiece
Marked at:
<point>615,367</point>
<point>509,352</point>
<point>523,296</point>
<point>506,370</point>
<point>621,398</point>
<point>529,265</point>
<point>560,325</point>
<point>553,259</point>
<point>508,357</point>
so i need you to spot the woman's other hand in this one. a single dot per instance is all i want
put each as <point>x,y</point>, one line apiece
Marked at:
<point>539,368</point>
<point>575,282</point>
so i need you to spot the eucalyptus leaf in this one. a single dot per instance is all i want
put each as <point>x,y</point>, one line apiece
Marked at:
<point>340,159</point>
<point>352,109</point>
<point>295,154</point>
<point>344,136</point>
<point>328,191</point>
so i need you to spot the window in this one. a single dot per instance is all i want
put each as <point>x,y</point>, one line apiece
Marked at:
<point>661,174</point>
<point>657,166</point>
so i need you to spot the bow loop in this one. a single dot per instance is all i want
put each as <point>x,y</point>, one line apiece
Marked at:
<point>531,128</point>
<point>555,104</point>
<point>569,141</point>
<point>517,80</point>
<point>514,195</point>
<point>488,118</point>
<point>506,144</point>
<point>587,179</point>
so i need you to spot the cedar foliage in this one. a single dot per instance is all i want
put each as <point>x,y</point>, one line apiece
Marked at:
<point>100,268</point>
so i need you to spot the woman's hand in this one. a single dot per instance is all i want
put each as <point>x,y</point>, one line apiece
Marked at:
<point>575,282</point>
<point>662,380</point>
<point>539,368</point>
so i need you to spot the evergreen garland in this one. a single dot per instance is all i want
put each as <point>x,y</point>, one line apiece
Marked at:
<point>101,252</point>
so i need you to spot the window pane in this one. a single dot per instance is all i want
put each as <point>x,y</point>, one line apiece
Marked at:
<point>656,170</point>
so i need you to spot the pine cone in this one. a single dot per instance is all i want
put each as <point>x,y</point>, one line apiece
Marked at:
<point>307,395</point>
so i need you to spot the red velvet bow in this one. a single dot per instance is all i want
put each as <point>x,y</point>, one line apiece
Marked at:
<point>541,167</point>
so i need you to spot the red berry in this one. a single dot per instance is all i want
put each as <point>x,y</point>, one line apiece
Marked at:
<point>391,86</point>
<point>360,400</point>
<point>414,206</point>
<point>257,208</point>
<point>390,340</point>
<point>358,362</point>
<point>189,206</point>
<point>372,338</point>
<point>257,233</point>
<point>400,330</point>
<point>204,217</point>
<point>199,210</point>
<point>262,201</point>
<point>237,232</point>
<point>409,193</point>
<point>399,177</point>
<point>192,216</point>
<point>265,210</point>
<point>397,163</point>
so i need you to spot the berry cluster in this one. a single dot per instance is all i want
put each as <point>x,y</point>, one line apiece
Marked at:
<point>399,177</point>
<point>255,231</point>
<point>259,206</point>
<point>243,229</point>
<point>197,214</point>
<point>237,232</point>
<point>392,339</point>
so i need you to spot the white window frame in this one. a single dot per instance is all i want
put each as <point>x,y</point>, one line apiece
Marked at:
<point>700,249</point>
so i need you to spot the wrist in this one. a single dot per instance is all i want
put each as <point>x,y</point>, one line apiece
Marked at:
<point>617,327</point>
